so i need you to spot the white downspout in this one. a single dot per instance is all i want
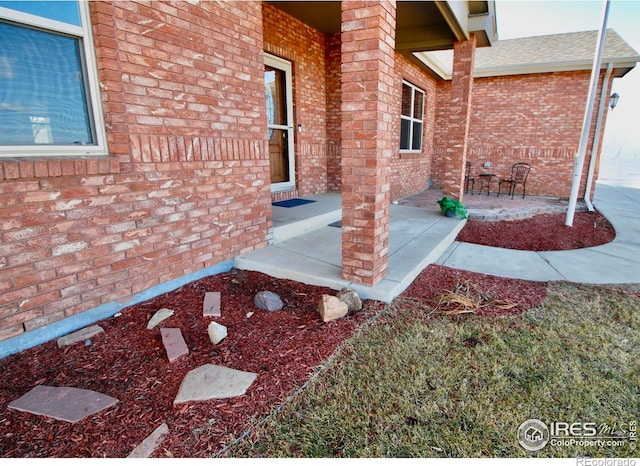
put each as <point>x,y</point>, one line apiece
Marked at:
<point>596,140</point>
<point>588,115</point>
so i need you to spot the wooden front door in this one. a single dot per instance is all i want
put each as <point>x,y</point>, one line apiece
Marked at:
<point>277,81</point>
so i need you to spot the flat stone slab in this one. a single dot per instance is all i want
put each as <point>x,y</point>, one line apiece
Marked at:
<point>211,381</point>
<point>148,445</point>
<point>80,335</point>
<point>174,343</point>
<point>63,403</point>
<point>160,316</point>
<point>211,304</point>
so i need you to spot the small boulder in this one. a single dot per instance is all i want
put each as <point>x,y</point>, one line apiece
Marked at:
<point>217,332</point>
<point>267,301</point>
<point>351,298</point>
<point>331,308</point>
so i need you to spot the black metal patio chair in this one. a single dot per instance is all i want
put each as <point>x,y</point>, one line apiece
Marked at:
<point>519,173</point>
<point>468,179</point>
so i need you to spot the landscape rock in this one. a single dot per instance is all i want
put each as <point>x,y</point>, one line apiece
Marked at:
<point>211,381</point>
<point>351,298</point>
<point>331,308</point>
<point>63,403</point>
<point>211,304</point>
<point>148,445</point>
<point>81,335</point>
<point>160,316</point>
<point>268,301</point>
<point>217,332</point>
<point>174,343</point>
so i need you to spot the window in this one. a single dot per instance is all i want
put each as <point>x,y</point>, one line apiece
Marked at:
<point>411,118</point>
<point>49,102</point>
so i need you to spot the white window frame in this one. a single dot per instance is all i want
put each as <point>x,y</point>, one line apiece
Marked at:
<point>88,64</point>
<point>412,118</point>
<point>285,65</point>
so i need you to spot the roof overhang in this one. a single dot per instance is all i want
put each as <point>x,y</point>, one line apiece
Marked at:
<point>421,25</point>
<point>620,68</point>
<point>542,54</point>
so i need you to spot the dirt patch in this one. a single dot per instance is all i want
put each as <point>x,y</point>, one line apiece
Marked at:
<point>545,232</point>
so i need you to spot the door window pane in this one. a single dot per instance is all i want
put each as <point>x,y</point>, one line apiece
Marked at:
<point>42,90</point>
<point>274,81</point>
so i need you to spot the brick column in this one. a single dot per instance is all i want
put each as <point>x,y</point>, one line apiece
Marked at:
<point>458,120</point>
<point>368,43</point>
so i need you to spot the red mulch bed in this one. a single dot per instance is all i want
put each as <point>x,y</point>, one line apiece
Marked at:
<point>544,232</point>
<point>129,362</point>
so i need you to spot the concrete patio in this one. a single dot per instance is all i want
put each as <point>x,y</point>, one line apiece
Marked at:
<point>306,248</point>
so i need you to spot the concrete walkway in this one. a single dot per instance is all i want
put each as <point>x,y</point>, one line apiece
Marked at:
<point>617,262</point>
<point>307,248</point>
<point>310,252</point>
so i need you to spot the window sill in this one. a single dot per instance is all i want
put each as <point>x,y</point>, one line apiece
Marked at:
<point>46,167</point>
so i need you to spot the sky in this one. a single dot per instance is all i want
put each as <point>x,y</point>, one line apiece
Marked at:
<point>621,143</point>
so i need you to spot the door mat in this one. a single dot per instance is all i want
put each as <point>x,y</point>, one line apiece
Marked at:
<point>295,202</point>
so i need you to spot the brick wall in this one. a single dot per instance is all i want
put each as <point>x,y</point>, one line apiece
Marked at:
<point>534,118</point>
<point>458,118</point>
<point>410,172</point>
<point>187,185</point>
<point>334,116</point>
<point>368,115</point>
<point>304,46</point>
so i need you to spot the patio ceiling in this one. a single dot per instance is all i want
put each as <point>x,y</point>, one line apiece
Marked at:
<point>421,26</point>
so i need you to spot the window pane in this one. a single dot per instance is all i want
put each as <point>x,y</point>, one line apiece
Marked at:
<point>64,11</point>
<point>417,105</point>
<point>416,143</point>
<point>42,94</point>
<point>274,81</point>
<point>406,100</point>
<point>405,134</point>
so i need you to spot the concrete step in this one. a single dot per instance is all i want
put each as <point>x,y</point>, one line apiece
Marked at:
<point>300,227</point>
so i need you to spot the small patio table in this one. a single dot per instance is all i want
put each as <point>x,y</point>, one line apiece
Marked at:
<point>485,181</point>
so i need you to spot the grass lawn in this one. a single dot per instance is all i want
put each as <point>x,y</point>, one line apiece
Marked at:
<point>415,383</point>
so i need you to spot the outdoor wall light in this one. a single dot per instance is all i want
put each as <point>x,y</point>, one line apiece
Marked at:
<point>613,100</point>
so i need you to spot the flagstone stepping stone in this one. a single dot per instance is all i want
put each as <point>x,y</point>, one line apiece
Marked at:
<point>63,403</point>
<point>80,335</point>
<point>148,445</point>
<point>211,381</point>
<point>160,316</point>
<point>174,343</point>
<point>211,304</point>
